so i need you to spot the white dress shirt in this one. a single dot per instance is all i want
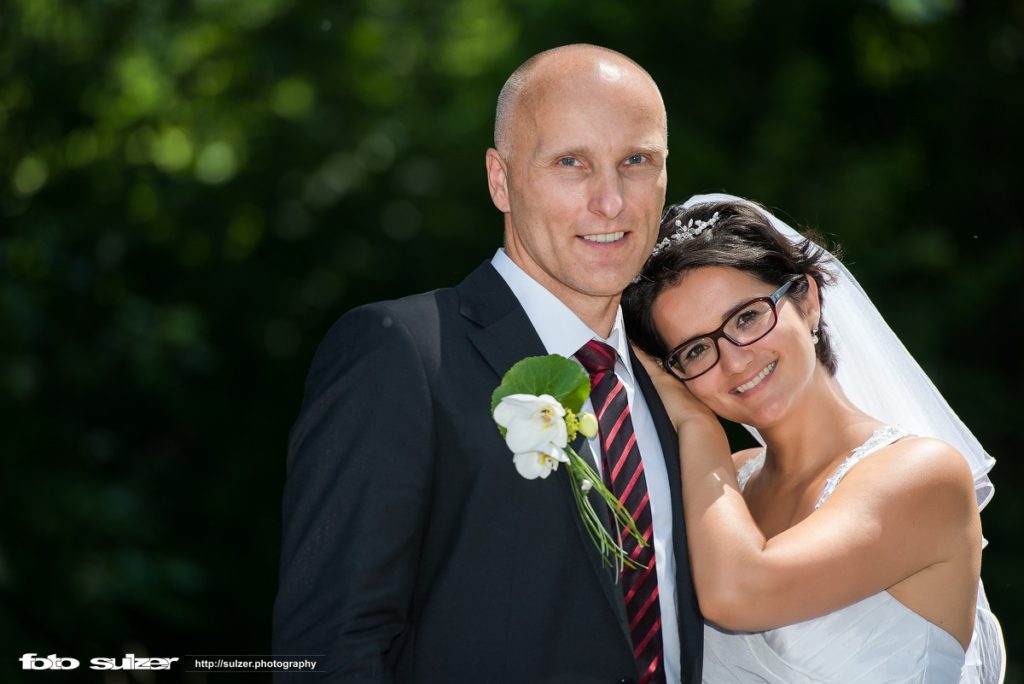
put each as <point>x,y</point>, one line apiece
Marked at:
<point>562,332</point>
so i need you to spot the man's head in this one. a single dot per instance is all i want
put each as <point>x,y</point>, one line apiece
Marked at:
<point>578,169</point>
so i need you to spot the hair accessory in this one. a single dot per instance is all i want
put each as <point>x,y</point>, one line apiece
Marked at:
<point>814,335</point>
<point>692,229</point>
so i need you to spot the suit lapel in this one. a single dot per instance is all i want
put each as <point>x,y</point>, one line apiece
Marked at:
<point>691,630</point>
<point>505,336</point>
<point>666,433</point>
<point>606,573</point>
<point>670,450</point>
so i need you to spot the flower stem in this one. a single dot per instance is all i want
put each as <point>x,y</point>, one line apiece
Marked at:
<point>607,545</point>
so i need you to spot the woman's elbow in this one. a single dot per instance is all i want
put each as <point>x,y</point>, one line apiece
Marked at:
<point>731,602</point>
<point>724,612</point>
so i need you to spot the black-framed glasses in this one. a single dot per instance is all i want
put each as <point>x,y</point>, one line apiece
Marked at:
<point>744,325</point>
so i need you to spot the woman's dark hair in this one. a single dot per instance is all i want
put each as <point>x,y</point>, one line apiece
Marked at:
<point>741,238</point>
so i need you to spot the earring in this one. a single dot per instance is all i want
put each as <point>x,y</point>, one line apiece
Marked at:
<point>814,335</point>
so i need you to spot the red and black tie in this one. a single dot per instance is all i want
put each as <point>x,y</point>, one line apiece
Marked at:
<point>624,475</point>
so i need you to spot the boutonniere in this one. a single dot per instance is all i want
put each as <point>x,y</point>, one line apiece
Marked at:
<point>537,408</point>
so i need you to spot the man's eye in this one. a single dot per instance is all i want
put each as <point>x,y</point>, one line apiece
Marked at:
<point>568,161</point>
<point>636,159</point>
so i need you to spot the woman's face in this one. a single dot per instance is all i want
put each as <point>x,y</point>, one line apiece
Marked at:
<point>756,384</point>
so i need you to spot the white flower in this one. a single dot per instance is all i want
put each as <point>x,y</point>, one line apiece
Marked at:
<point>586,485</point>
<point>534,464</point>
<point>532,423</point>
<point>535,432</point>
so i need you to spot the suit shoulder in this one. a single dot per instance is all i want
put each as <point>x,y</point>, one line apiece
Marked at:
<point>403,332</point>
<point>418,314</point>
<point>411,309</point>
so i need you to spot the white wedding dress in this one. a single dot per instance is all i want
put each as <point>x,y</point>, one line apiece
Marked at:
<point>876,640</point>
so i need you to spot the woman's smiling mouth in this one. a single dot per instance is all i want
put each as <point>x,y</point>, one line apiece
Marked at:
<point>757,379</point>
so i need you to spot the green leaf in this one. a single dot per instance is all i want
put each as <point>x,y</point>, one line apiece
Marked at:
<point>562,378</point>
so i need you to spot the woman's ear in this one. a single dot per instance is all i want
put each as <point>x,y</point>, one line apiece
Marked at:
<point>811,304</point>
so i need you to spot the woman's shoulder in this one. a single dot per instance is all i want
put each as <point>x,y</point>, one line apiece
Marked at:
<point>914,468</point>
<point>928,458</point>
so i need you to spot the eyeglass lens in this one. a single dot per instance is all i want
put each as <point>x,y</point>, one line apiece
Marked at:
<point>747,326</point>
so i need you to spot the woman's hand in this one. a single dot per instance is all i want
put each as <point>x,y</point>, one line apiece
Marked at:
<point>680,405</point>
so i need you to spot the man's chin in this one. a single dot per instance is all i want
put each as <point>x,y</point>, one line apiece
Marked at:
<point>612,287</point>
<point>615,283</point>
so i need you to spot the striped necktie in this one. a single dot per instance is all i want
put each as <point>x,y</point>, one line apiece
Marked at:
<point>624,474</point>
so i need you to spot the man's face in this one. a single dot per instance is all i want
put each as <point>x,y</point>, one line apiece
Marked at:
<point>585,181</point>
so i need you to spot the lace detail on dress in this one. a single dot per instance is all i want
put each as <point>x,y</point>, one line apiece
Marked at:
<point>882,437</point>
<point>749,468</point>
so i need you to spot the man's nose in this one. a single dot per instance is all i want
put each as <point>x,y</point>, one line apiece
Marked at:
<point>606,197</point>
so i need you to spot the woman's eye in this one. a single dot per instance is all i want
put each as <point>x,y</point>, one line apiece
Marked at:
<point>694,352</point>
<point>747,317</point>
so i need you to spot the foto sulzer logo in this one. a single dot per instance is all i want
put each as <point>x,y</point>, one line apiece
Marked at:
<point>33,661</point>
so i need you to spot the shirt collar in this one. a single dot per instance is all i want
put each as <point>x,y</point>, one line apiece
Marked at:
<point>560,330</point>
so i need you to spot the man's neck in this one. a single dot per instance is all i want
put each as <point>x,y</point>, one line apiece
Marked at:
<point>550,305</point>
<point>598,313</point>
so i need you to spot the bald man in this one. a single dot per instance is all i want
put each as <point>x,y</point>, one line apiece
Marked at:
<point>412,549</point>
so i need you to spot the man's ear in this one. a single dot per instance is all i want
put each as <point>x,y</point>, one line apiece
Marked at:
<point>497,180</point>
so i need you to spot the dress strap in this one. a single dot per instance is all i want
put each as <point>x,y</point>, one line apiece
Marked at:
<point>749,468</point>
<point>882,437</point>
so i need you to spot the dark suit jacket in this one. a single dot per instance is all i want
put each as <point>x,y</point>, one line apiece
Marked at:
<point>412,550</point>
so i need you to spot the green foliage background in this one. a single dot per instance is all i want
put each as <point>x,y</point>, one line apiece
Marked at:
<point>191,192</point>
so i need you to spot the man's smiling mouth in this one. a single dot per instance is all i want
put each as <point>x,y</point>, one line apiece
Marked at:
<point>605,237</point>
